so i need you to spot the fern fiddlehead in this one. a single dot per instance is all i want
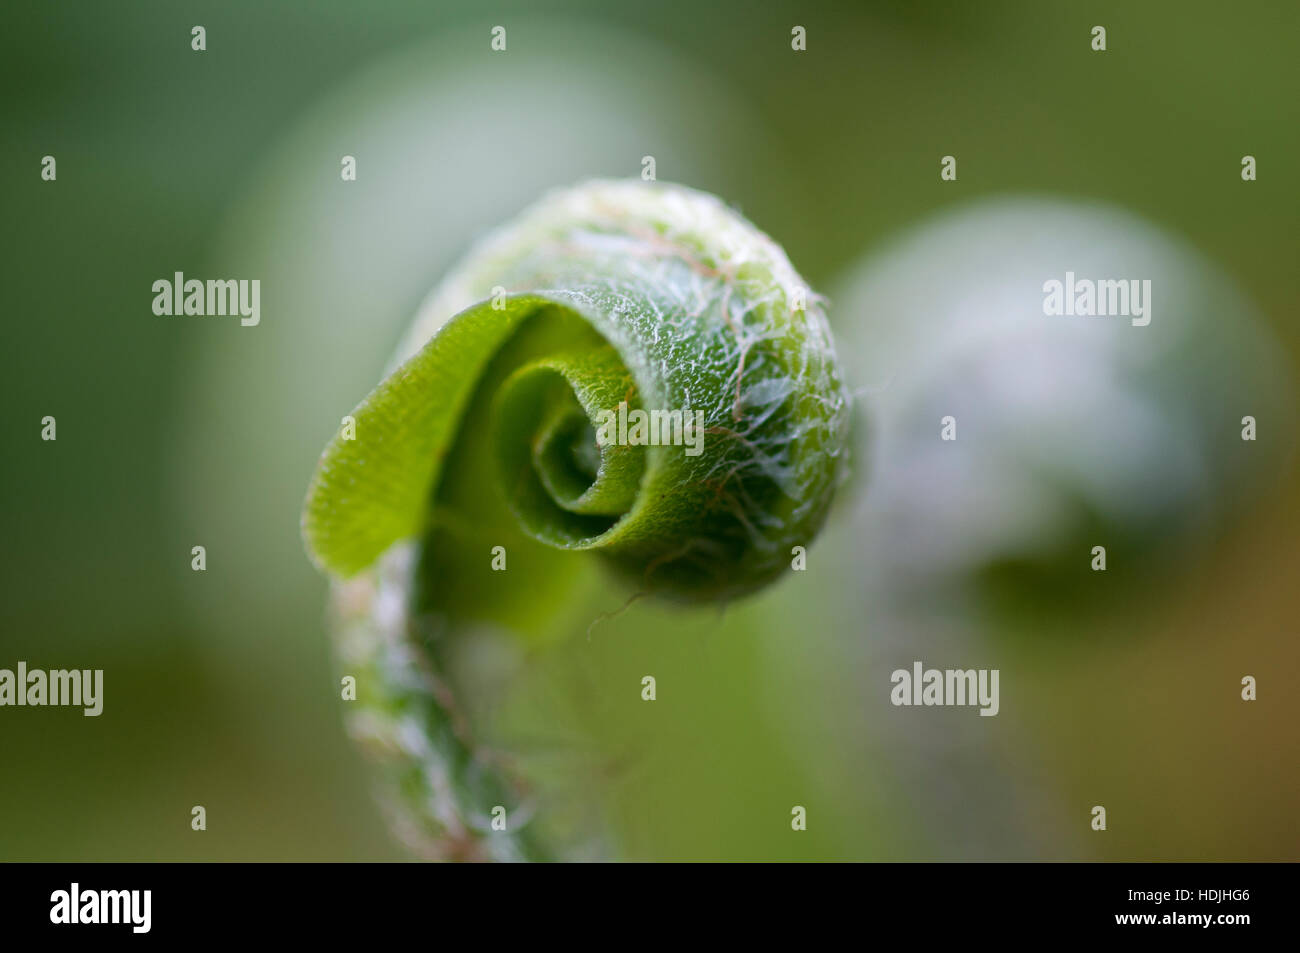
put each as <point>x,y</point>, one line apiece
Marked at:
<point>501,440</point>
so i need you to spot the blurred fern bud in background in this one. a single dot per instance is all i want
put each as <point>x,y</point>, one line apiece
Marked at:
<point>1045,377</point>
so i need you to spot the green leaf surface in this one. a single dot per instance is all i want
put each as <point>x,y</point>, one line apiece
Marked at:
<point>653,295</point>
<point>610,298</point>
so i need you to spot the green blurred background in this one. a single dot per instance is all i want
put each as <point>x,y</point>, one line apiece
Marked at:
<point>220,687</point>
